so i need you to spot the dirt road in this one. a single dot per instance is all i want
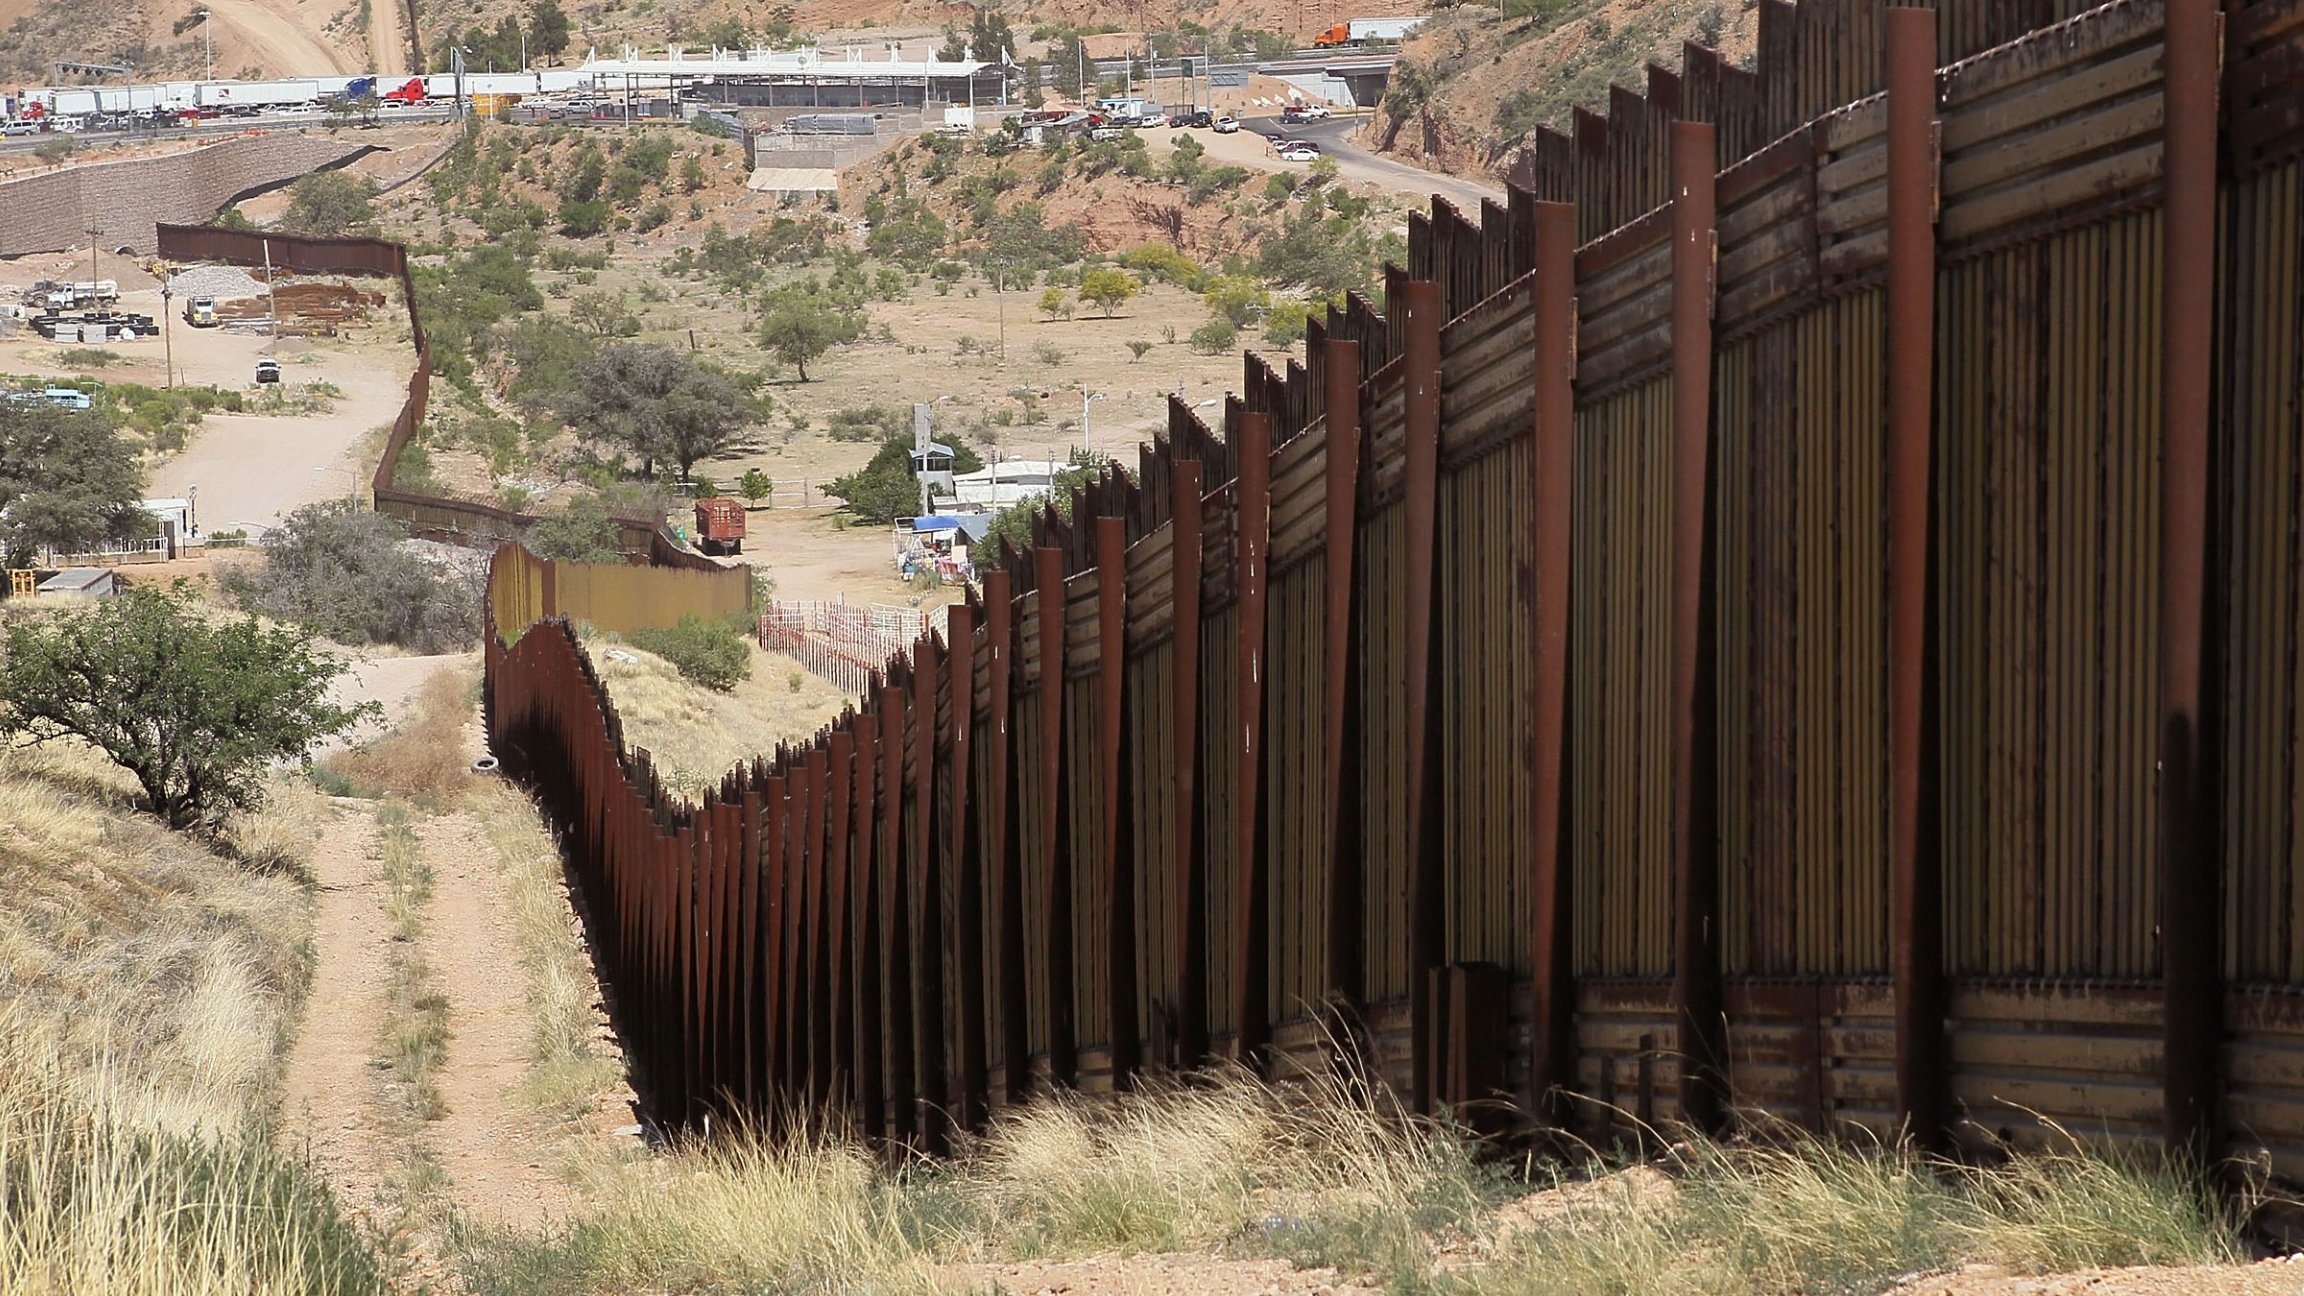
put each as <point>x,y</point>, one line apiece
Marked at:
<point>329,1094</point>
<point>387,40</point>
<point>1335,139</point>
<point>281,35</point>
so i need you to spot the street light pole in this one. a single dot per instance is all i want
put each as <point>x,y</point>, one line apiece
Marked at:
<point>1087,398</point>
<point>208,38</point>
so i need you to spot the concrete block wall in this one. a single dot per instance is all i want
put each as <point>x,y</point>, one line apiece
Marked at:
<point>123,200</point>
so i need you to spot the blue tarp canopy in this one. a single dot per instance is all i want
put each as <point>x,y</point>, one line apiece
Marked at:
<point>936,522</point>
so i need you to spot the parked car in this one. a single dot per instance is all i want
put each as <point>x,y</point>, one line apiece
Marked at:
<point>267,371</point>
<point>1297,151</point>
<point>1200,119</point>
<point>1227,124</point>
<point>20,128</point>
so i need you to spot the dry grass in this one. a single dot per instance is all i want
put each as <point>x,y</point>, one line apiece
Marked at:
<point>95,1198</point>
<point>1797,1214</point>
<point>422,758</point>
<point>568,1069</point>
<point>695,734</point>
<point>415,1039</point>
<point>146,986</point>
<point>142,948</point>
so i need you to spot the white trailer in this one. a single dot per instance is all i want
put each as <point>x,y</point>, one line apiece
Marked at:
<point>74,102</point>
<point>258,94</point>
<point>1387,29</point>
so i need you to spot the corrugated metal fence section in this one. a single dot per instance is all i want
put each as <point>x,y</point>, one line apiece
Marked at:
<point>524,589</point>
<point>1798,611</point>
<point>437,517</point>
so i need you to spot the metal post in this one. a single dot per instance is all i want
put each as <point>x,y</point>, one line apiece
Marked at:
<point>1918,961</point>
<point>1552,1065</point>
<point>1341,431</point>
<point>1055,814</point>
<point>1191,938</point>
<point>1251,539</point>
<point>1696,945</point>
<point>1420,309</point>
<point>1117,830</point>
<point>2189,825</point>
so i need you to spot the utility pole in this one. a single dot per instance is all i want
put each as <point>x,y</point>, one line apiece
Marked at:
<point>271,295</point>
<point>93,233</point>
<point>167,325</point>
<point>208,38</point>
<point>1086,399</point>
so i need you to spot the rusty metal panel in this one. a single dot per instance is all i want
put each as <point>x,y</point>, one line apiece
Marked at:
<point>1484,670</point>
<point>1619,713</point>
<point>2261,410</point>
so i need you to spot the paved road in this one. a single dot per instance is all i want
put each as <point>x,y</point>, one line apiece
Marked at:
<point>1334,138</point>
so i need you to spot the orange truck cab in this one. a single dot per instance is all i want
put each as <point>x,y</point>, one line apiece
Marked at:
<point>720,525</point>
<point>1340,34</point>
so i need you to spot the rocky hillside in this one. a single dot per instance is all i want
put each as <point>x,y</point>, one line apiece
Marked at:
<point>1476,82</point>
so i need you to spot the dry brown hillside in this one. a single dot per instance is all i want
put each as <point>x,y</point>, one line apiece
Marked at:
<point>1474,83</point>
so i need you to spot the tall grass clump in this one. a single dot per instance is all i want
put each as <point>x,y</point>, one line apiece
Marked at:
<point>743,1213</point>
<point>1794,1213</point>
<point>567,1068</point>
<point>1326,1171</point>
<point>94,1200</point>
<point>424,757</point>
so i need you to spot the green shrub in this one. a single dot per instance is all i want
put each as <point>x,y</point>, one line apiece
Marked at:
<point>710,653</point>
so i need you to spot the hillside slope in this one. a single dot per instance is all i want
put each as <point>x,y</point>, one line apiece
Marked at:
<point>1474,84</point>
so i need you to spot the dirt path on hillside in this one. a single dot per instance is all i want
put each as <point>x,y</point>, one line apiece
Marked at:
<point>489,1147</point>
<point>492,1150</point>
<point>330,1094</point>
<point>277,33</point>
<point>387,42</point>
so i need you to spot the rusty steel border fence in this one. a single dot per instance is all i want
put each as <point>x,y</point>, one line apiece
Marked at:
<point>436,517</point>
<point>1797,611</point>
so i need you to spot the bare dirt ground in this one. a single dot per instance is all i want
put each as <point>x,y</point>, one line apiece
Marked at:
<point>387,39</point>
<point>283,37</point>
<point>330,1094</point>
<point>2283,1277</point>
<point>491,1147</point>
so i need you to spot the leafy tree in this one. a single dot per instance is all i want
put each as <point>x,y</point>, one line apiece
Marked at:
<point>1215,336</point>
<point>330,204</point>
<point>885,489</point>
<point>800,322</point>
<point>583,219</point>
<point>546,353</point>
<point>344,574</point>
<point>582,532</point>
<point>1285,323</point>
<point>197,710</point>
<point>1237,298</point>
<point>1054,303</point>
<point>657,403</point>
<point>1109,288</point>
<point>67,481</point>
<point>1164,263</point>
<point>603,314</point>
<point>709,652</point>
<point>755,486</point>
<point>548,29</point>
